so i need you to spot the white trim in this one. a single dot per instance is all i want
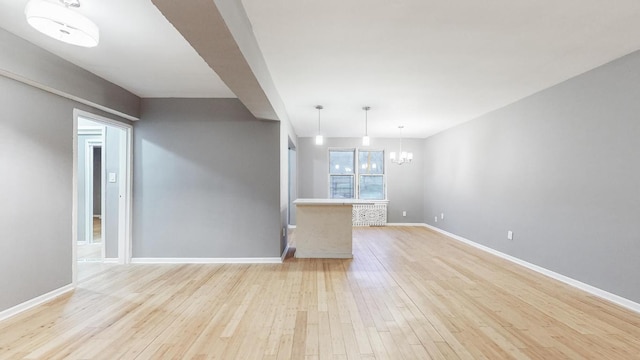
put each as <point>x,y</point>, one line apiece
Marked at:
<point>129,197</point>
<point>290,227</point>
<point>90,130</point>
<point>284,253</point>
<point>268,260</point>
<point>405,224</point>
<point>322,255</point>
<point>12,311</point>
<point>74,203</point>
<point>110,260</point>
<point>616,299</point>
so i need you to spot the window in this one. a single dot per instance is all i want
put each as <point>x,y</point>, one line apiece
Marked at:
<point>341,174</point>
<point>364,172</point>
<point>371,179</point>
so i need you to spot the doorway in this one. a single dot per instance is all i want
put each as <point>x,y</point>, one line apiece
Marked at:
<point>91,191</point>
<point>102,190</point>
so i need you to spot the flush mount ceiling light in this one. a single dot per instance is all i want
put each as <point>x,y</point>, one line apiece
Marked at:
<point>61,22</point>
<point>319,139</point>
<point>404,157</point>
<point>365,139</point>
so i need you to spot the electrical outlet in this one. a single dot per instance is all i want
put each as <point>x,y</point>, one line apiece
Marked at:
<point>436,219</point>
<point>404,213</point>
<point>442,216</point>
<point>284,231</point>
<point>509,235</point>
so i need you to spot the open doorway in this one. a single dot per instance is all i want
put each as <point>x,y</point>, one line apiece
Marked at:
<point>91,191</point>
<point>102,205</point>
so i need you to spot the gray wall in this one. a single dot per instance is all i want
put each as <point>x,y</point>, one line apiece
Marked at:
<point>560,169</point>
<point>22,60</point>
<point>206,181</point>
<point>36,156</point>
<point>404,182</point>
<point>112,190</point>
<point>293,184</point>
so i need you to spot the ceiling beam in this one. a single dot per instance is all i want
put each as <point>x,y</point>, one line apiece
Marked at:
<point>220,31</point>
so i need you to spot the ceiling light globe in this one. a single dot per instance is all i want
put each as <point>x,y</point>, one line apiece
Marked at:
<point>62,23</point>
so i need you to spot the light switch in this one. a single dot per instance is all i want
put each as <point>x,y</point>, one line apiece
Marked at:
<point>509,235</point>
<point>112,177</point>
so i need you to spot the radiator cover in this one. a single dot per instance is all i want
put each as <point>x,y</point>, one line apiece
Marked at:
<point>373,214</point>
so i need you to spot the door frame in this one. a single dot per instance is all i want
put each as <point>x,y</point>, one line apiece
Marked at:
<point>125,187</point>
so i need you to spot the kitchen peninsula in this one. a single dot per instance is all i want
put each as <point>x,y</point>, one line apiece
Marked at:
<point>324,228</point>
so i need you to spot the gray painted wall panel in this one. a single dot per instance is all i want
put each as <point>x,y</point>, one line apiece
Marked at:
<point>206,181</point>
<point>36,156</point>
<point>25,61</point>
<point>404,182</point>
<point>112,190</point>
<point>35,193</point>
<point>293,184</point>
<point>560,169</point>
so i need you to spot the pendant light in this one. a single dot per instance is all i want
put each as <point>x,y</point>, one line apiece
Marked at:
<point>62,23</point>
<point>404,157</point>
<point>319,139</point>
<point>365,139</point>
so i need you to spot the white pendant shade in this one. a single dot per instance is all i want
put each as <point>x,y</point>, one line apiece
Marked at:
<point>319,138</point>
<point>62,23</point>
<point>366,140</point>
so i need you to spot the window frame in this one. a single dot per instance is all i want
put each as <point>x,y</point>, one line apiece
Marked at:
<point>356,174</point>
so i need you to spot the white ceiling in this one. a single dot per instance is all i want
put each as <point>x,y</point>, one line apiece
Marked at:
<point>425,64</point>
<point>139,49</point>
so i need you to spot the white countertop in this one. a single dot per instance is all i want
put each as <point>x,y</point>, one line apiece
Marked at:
<point>336,201</point>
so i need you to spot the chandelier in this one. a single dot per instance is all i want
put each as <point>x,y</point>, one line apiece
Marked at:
<point>403,156</point>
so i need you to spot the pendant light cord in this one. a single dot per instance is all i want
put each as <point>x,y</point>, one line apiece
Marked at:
<point>366,119</point>
<point>319,107</point>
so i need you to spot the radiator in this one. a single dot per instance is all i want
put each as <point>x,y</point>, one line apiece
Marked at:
<point>374,214</point>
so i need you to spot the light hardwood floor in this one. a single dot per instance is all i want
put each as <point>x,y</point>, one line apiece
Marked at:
<point>92,251</point>
<point>409,293</point>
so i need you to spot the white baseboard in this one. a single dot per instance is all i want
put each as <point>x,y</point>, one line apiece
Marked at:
<point>269,260</point>
<point>404,224</point>
<point>322,255</point>
<point>34,302</point>
<point>616,299</point>
<point>284,253</point>
<point>110,260</point>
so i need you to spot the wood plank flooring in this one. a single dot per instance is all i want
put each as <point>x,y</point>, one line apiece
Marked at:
<point>92,251</point>
<point>409,293</point>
